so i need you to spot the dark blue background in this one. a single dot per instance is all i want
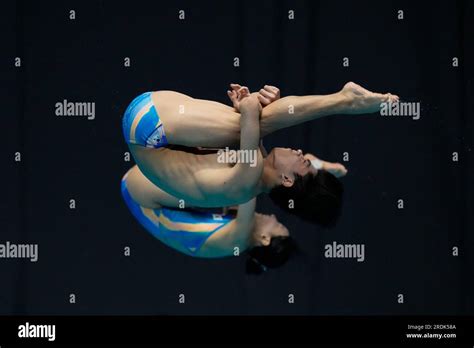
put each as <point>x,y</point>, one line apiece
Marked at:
<point>81,251</point>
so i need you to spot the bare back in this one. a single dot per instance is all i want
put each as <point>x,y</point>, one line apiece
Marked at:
<point>197,180</point>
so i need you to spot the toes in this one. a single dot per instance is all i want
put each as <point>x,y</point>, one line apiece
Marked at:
<point>393,98</point>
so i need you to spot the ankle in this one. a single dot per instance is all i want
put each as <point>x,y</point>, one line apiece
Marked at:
<point>345,102</point>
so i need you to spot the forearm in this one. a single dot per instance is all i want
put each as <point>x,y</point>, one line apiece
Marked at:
<point>247,172</point>
<point>337,169</point>
<point>250,126</point>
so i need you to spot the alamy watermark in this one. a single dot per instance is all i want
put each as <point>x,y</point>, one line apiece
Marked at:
<point>345,251</point>
<point>84,109</point>
<point>237,156</point>
<point>28,330</point>
<point>19,251</point>
<point>401,109</point>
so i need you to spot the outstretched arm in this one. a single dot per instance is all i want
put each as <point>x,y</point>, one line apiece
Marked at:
<point>336,169</point>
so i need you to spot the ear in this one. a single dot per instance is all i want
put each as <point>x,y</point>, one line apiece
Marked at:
<point>265,240</point>
<point>286,181</point>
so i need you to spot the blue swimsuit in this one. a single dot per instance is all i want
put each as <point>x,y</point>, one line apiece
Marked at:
<point>141,124</point>
<point>191,229</point>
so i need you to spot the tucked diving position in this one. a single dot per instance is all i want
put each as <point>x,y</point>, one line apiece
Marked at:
<point>156,120</point>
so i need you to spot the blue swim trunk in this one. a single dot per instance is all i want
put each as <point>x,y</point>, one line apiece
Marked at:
<point>190,229</point>
<point>141,123</point>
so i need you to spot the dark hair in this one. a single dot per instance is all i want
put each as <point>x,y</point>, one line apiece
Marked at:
<point>316,198</point>
<point>271,256</point>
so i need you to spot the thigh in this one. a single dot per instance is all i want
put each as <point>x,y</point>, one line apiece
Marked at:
<point>147,194</point>
<point>197,122</point>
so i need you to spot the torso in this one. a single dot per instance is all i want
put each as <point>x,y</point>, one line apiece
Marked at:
<point>174,172</point>
<point>164,223</point>
<point>180,174</point>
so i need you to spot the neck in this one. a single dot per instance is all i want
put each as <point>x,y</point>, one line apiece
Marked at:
<point>269,178</point>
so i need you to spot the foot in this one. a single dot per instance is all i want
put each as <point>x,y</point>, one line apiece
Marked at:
<point>361,101</point>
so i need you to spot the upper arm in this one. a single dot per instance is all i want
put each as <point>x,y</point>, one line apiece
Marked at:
<point>246,212</point>
<point>243,225</point>
<point>245,176</point>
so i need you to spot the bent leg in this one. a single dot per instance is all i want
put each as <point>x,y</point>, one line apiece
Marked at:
<point>197,122</point>
<point>203,123</point>
<point>293,110</point>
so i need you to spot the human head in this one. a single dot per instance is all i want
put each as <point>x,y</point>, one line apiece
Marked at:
<point>270,245</point>
<point>313,195</point>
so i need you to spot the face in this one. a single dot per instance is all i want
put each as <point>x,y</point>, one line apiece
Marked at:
<point>268,227</point>
<point>289,162</point>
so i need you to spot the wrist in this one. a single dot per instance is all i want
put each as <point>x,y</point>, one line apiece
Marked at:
<point>250,104</point>
<point>317,164</point>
